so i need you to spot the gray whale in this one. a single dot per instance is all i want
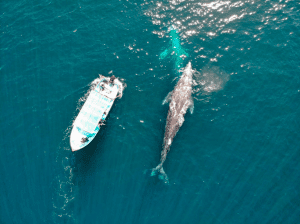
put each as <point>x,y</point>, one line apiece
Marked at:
<point>180,100</point>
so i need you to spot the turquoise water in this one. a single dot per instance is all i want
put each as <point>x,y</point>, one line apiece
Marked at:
<point>234,160</point>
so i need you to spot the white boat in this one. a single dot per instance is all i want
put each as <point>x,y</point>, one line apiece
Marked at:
<point>94,111</point>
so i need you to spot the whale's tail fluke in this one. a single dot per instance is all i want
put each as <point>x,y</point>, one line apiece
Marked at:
<point>162,175</point>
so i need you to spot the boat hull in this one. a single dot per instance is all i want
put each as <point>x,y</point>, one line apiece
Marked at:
<point>93,113</point>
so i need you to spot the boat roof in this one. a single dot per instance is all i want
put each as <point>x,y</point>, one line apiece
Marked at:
<point>95,108</point>
<point>92,111</point>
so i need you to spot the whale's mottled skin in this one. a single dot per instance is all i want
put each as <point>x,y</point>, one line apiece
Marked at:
<point>180,100</point>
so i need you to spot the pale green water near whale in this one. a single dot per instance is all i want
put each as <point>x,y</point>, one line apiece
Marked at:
<point>234,160</point>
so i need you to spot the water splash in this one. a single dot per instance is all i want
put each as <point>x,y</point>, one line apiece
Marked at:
<point>210,79</point>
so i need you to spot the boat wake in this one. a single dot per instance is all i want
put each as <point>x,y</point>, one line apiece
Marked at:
<point>64,183</point>
<point>64,195</point>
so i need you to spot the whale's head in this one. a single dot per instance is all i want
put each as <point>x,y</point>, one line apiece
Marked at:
<point>188,71</point>
<point>185,82</point>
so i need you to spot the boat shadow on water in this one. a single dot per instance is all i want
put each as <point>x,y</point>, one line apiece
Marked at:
<point>84,161</point>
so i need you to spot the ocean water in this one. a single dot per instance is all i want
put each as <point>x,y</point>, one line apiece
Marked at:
<point>234,160</point>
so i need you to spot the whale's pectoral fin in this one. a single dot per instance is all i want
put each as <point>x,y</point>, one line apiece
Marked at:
<point>191,106</point>
<point>168,98</point>
<point>165,53</point>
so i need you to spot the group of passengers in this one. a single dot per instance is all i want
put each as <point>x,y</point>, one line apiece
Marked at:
<point>111,80</point>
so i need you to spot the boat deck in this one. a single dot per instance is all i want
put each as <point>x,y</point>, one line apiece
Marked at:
<point>92,111</point>
<point>95,109</point>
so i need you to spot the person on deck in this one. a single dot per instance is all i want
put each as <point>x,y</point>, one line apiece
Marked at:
<point>112,79</point>
<point>83,140</point>
<point>100,123</point>
<point>102,120</point>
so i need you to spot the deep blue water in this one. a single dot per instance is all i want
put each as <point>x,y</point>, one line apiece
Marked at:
<point>234,160</point>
